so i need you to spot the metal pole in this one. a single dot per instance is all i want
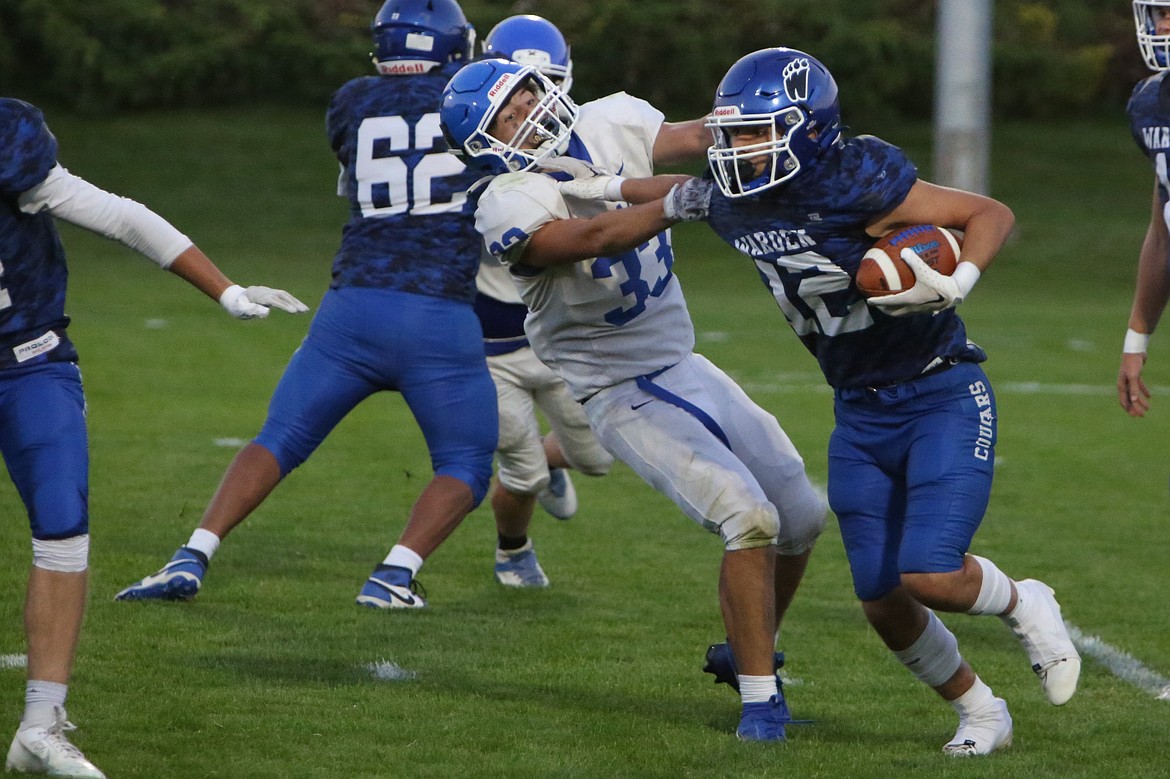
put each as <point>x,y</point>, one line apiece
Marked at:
<point>962,104</point>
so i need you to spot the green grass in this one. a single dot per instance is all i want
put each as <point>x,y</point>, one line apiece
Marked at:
<point>265,674</point>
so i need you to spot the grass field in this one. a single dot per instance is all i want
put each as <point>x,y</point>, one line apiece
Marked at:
<point>268,673</point>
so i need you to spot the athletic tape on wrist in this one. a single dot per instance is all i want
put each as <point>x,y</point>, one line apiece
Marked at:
<point>1135,342</point>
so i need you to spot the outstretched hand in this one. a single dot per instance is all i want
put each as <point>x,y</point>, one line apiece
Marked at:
<point>254,302</point>
<point>689,201</point>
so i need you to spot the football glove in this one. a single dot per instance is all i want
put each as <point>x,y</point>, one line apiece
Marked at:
<point>254,302</point>
<point>588,182</point>
<point>932,291</point>
<point>688,201</point>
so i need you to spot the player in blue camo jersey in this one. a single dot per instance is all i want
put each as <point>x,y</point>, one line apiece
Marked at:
<point>910,460</point>
<point>1149,117</point>
<point>532,468</point>
<point>397,316</point>
<point>43,435</point>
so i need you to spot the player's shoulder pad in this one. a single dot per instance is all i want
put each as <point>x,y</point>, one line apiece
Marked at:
<point>514,206</point>
<point>526,185</point>
<point>617,106</point>
<point>29,148</point>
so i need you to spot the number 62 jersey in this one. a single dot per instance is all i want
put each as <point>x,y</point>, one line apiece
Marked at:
<point>410,227</point>
<point>601,321</point>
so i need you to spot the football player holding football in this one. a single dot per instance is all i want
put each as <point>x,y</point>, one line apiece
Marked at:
<point>43,435</point>
<point>911,457</point>
<point>607,314</point>
<point>397,317</point>
<point>1149,117</point>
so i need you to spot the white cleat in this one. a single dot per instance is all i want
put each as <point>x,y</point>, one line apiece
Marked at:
<point>559,498</point>
<point>1037,623</point>
<point>39,750</point>
<point>982,733</point>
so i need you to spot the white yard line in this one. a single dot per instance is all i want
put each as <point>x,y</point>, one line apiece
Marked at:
<point>1121,664</point>
<point>13,661</point>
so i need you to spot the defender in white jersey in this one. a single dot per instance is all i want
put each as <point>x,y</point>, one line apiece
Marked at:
<point>531,468</point>
<point>608,316</point>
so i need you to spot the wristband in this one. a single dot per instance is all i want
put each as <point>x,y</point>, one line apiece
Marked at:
<point>229,296</point>
<point>965,276</point>
<point>1135,342</point>
<point>613,188</point>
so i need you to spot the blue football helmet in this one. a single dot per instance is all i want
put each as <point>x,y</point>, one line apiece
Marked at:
<point>475,96</point>
<point>1155,47</point>
<point>786,96</point>
<point>414,36</point>
<point>532,40</point>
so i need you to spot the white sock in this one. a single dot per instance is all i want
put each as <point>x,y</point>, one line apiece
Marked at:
<point>756,689</point>
<point>40,698</point>
<point>404,557</point>
<point>978,697</point>
<point>204,541</point>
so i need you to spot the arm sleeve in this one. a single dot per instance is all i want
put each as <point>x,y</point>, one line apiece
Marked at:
<point>78,202</point>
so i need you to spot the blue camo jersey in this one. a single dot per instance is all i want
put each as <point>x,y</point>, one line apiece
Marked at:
<point>807,238</point>
<point>410,227</point>
<point>33,275</point>
<point>1149,120</point>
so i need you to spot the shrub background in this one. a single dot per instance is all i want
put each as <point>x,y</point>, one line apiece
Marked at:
<point>1054,59</point>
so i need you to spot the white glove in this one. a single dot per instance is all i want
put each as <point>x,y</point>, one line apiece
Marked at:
<point>932,291</point>
<point>688,201</point>
<point>254,302</point>
<point>588,183</point>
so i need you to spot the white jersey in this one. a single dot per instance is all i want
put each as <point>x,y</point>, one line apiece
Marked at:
<point>602,321</point>
<point>494,280</point>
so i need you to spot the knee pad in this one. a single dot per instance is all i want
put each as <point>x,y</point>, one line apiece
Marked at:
<point>934,657</point>
<point>595,462</point>
<point>803,523</point>
<point>526,482</point>
<point>64,555</point>
<point>751,529</point>
<point>476,477</point>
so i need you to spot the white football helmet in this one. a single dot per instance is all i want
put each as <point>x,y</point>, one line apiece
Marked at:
<point>1155,46</point>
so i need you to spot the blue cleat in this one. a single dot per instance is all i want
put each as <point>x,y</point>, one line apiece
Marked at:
<point>391,587</point>
<point>179,579</point>
<point>559,498</point>
<point>764,721</point>
<point>721,664</point>
<point>519,568</point>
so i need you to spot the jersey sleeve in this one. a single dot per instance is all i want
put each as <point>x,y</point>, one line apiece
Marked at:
<point>887,174</point>
<point>28,151</point>
<point>514,206</point>
<point>626,124</point>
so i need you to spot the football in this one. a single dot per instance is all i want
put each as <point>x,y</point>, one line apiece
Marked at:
<point>883,271</point>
